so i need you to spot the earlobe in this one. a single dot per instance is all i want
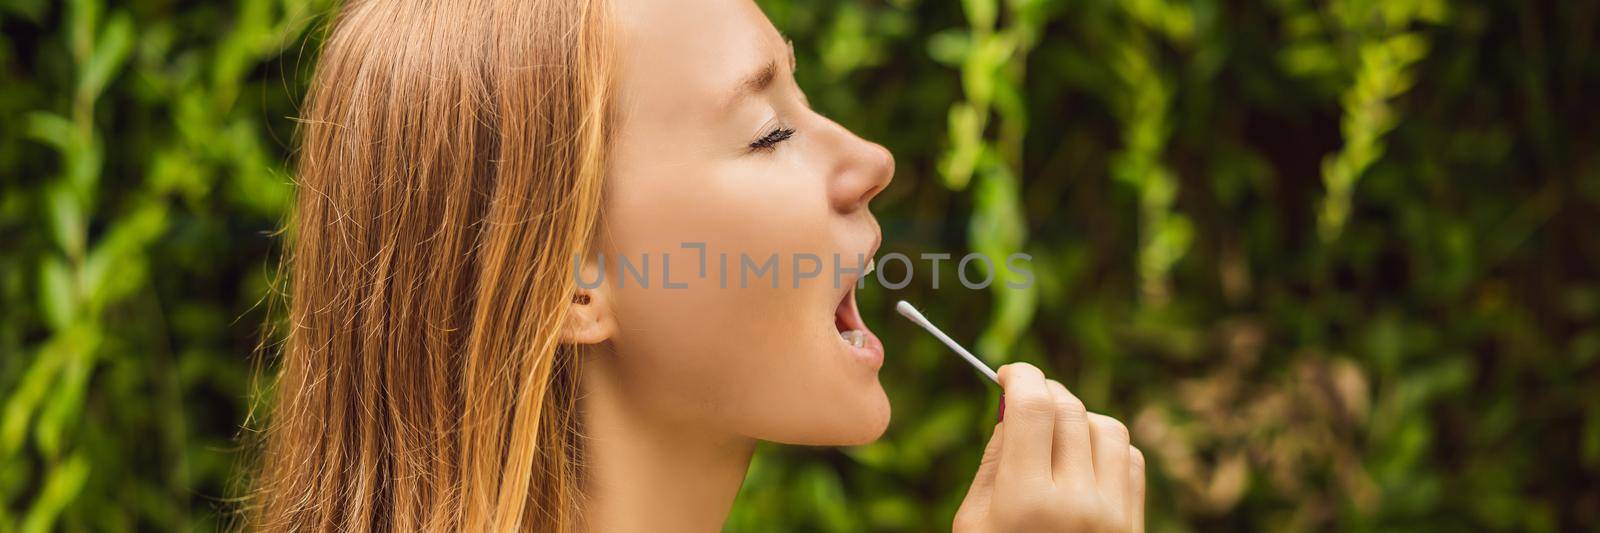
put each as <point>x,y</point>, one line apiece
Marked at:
<point>589,319</point>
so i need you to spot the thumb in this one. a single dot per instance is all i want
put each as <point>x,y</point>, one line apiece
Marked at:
<point>976,503</point>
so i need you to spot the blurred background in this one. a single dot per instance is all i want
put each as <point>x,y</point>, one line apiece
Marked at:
<point>1336,262</point>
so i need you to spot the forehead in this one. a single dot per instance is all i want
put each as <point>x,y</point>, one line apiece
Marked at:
<point>683,56</point>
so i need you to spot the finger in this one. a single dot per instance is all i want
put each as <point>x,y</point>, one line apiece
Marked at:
<point>1030,419</point>
<point>979,494</point>
<point>1136,474</point>
<point>1110,460</point>
<point>1072,457</point>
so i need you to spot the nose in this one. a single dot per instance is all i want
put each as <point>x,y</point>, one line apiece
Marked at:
<point>864,169</point>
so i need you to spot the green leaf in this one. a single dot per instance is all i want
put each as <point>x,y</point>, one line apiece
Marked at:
<point>950,47</point>
<point>83,16</point>
<point>66,400</point>
<point>52,129</point>
<point>826,495</point>
<point>117,266</point>
<point>109,54</point>
<point>66,212</point>
<point>58,298</point>
<point>27,396</point>
<point>62,486</point>
<point>981,14</point>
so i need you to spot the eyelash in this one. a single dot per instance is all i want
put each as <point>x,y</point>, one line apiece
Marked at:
<point>771,140</point>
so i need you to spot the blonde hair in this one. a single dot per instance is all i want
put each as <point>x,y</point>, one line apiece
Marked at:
<point>450,168</point>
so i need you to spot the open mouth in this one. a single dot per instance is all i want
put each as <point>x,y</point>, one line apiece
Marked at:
<point>847,318</point>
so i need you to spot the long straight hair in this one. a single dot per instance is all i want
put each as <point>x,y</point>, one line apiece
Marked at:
<point>449,169</point>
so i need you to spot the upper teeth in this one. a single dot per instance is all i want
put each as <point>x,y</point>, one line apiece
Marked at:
<point>870,264</point>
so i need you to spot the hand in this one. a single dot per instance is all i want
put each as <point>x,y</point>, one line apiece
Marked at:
<point>1053,466</point>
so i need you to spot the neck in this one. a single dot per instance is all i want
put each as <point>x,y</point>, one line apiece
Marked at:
<point>646,473</point>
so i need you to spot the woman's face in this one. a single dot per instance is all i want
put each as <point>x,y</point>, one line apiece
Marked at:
<point>718,155</point>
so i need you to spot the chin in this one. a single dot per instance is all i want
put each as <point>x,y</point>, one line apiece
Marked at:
<point>858,418</point>
<point>867,422</point>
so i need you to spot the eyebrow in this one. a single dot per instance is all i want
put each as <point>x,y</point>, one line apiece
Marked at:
<point>761,78</point>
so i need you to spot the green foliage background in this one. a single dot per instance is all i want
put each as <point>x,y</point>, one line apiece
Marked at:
<point>1335,261</point>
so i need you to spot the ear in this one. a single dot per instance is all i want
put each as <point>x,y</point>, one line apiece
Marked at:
<point>589,317</point>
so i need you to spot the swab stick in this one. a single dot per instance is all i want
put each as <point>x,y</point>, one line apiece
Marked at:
<point>910,312</point>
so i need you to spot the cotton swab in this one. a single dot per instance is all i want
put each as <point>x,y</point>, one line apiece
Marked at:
<point>910,312</point>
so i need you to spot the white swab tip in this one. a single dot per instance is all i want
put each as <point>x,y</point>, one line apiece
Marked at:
<point>905,308</point>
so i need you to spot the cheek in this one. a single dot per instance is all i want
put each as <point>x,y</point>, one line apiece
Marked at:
<point>729,350</point>
<point>761,363</point>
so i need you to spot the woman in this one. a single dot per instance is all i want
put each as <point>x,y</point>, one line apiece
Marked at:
<point>446,369</point>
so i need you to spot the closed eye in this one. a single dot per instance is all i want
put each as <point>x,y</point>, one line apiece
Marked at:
<point>771,140</point>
